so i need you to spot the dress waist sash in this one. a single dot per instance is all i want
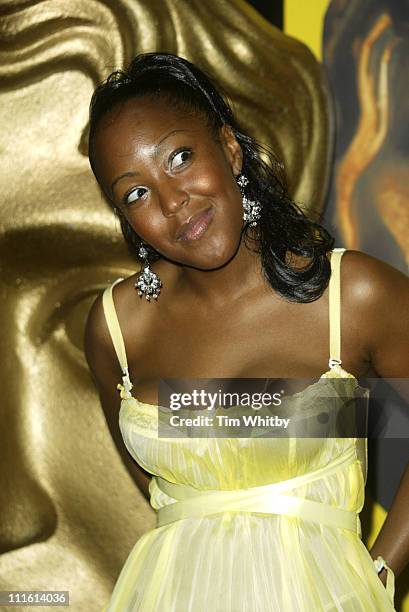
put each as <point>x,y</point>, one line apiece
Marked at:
<point>265,499</point>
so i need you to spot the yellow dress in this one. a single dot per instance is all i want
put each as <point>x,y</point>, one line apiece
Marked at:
<point>250,524</point>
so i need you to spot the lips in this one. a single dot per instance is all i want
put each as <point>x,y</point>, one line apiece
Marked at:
<point>196,226</point>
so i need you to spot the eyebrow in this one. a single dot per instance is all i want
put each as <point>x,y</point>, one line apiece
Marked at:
<point>155,153</point>
<point>122,176</point>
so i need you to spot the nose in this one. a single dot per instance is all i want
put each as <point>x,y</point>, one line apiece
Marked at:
<point>172,197</point>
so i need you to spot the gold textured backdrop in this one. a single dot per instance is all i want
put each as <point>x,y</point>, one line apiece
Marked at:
<point>69,511</point>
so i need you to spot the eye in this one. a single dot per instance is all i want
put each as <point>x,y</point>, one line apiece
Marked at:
<point>134,195</point>
<point>179,158</point>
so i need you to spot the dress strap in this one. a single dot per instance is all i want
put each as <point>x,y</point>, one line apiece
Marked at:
<point>117,338</point>
<point>335,308</point>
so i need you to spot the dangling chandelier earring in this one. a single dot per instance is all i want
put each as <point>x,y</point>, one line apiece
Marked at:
<point>252,208</point>
<point>148,283</point>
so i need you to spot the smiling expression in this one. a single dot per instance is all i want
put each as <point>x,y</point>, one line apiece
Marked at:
<point>160,167</point>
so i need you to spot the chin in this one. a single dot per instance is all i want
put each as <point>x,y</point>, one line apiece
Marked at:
<point>213,256</point>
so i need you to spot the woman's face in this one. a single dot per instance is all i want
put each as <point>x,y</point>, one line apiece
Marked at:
<point>160,166</point>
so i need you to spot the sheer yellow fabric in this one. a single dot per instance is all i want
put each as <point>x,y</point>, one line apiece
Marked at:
<point>250,524</point>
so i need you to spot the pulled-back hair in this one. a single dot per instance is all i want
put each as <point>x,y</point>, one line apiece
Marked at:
<point>283,229</point>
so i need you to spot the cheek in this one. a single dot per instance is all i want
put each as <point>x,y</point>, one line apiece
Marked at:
<point>151,227</point>
<point>215,182</point>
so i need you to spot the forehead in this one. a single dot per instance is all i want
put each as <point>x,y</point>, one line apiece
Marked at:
<point>145,119</point>
<point>139,123</point>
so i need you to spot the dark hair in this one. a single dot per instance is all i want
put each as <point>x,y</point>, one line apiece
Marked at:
<point>283,226</point>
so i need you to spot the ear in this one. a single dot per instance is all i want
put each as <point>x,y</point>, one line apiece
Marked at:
<point>231,148</point>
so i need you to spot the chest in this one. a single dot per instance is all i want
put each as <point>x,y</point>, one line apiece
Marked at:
<point>239,344</point>
<point>249,341</point>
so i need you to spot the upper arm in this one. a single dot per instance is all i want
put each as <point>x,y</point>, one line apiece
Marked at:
<point>99,350</point>
<point>106,373</point>
<point>381,296</point>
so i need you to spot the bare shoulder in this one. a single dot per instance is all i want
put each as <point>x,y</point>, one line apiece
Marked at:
<point>96,330</point>
<point>98,347</point>
<point>372,281</point>
<point>133,323</point>
<point>376,295</point>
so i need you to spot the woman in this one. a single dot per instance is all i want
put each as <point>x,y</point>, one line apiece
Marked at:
<point>236,282</point>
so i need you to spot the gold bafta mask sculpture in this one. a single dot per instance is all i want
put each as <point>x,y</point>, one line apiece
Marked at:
<point>70,512</point>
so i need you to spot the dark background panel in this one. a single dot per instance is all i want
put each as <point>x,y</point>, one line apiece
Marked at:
<point>272,10</point>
